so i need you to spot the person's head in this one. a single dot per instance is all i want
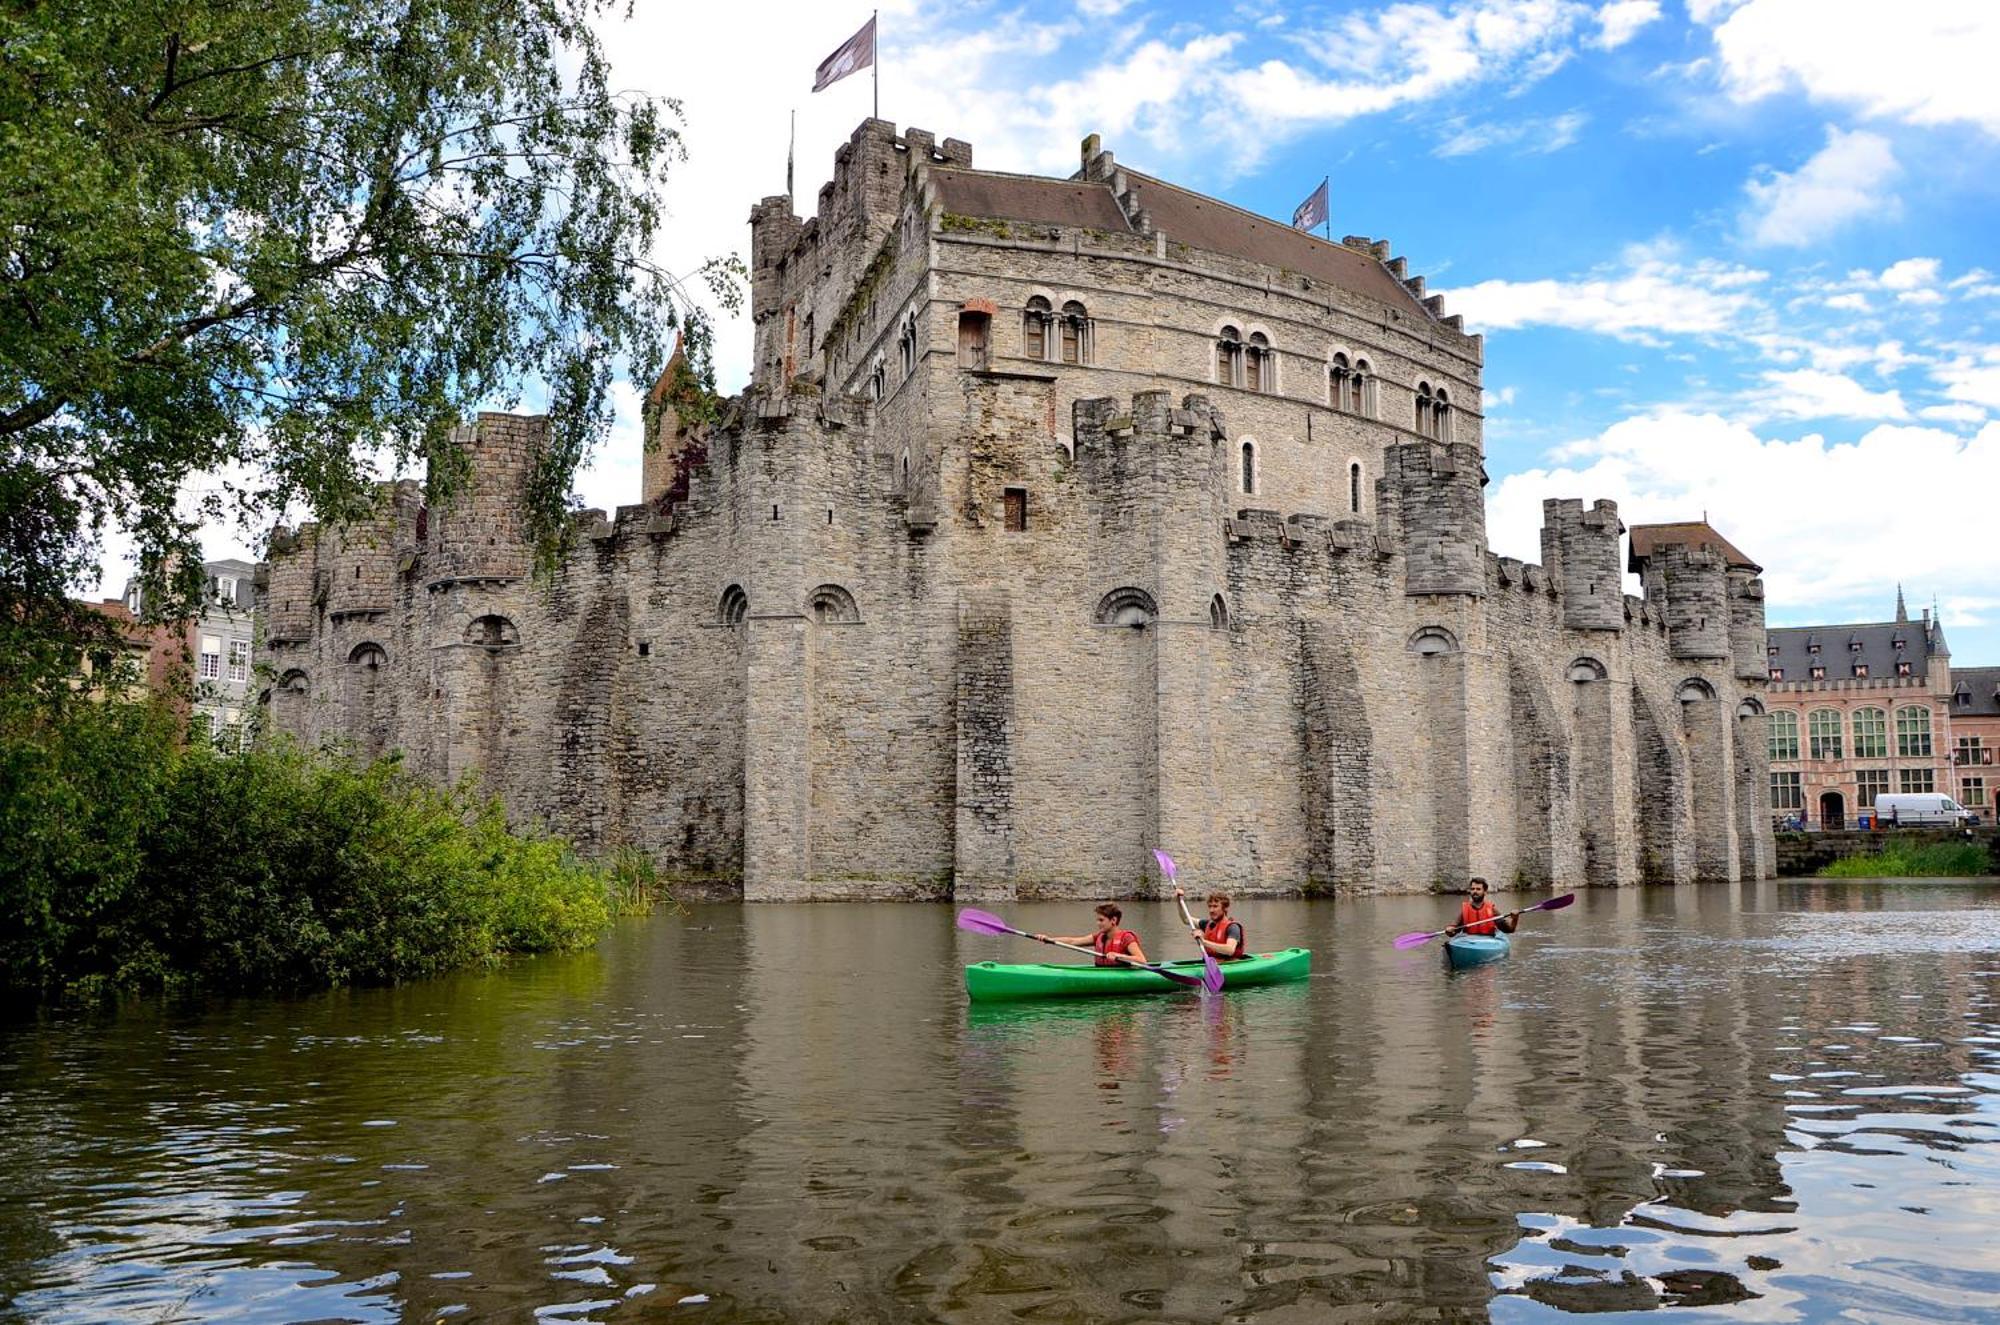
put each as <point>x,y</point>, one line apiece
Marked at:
<point>1108,915</point>
<point>1218,905</point>
<point>1476,890</point>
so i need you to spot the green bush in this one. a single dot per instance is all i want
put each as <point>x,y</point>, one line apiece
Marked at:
<point>137,864</point>
<point>1900,859</point>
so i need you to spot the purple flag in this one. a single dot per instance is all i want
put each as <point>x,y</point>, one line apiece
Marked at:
<point>855,54</point>
<point>1311,212</point>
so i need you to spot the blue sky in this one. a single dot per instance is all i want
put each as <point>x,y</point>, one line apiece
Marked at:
<point>1730,256</point>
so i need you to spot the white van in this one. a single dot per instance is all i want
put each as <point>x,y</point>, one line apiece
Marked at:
<point>1927,808</point>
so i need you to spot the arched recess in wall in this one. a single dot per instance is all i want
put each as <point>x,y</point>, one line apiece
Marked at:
<point>1218,613</point>
<point>1431,641</point>
<point>1585,670</point>
<point>831,605</point>
<point>1661,779</point>
<point>294,682</point>
<point>1127,606</point>
<point>1540,766</point>
<point>1751,707</point>
<point>733,607</point>
<point>1693,690</point>
<point>492,631</point>
<point>368,654</point>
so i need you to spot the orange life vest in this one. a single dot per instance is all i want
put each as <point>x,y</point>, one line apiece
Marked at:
<point>1217,931</point>
<point>1479,919</point>
<point>1113,940</point>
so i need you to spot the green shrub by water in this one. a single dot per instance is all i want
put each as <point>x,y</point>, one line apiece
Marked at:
<point>130,863</point>
<point>1900,859</point>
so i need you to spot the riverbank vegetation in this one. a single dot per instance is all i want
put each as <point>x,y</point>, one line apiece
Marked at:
<point>136,863</point>
<point>1900,859</point>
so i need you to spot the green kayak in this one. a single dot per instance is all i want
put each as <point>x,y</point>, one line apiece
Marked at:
<point>997,982</point>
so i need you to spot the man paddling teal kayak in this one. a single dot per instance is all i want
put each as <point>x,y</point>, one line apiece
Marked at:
<point>1110,942</point>
<point>1222,934</point>
<point>1476,915</point>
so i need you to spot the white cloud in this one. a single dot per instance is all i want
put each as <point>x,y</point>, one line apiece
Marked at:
<point>1909,274</point>
<point>1810,393</point>
<point>1816,544</point>
<point>1843,180</point>
<point>1959,413</point>
<point>1857,303</point>
<point>1502,397</point>
<point>1620,21</point>
<point>1534,135</point>
<point>1972,378</point>
<point>1925,64</point>
<point>1921,298</point>
<point>1650,294</point>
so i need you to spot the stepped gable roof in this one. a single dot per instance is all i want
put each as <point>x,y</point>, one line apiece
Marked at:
<point>1649,538</point>
<point>1184,217</point>
<point>1980,687</point>
<point>1838,654</point>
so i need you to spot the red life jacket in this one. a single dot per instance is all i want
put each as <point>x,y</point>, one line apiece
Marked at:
<point>1479,919</point>
<point>1217,931</point>
<point>1113,940</point>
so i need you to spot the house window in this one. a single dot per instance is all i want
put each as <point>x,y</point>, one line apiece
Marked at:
<point>1249,468</point>
<point>1972,791</point>
<point>1259,367</point>
<point>906,345</point>
<point>1035,321</point>
<point>1363,391</point>
<point>1868,784</point>
<point>225,590</point>
<point>1918,779</point>
<point>1824,730</point>
<point>1777,673</point>
<point>1819,673</point>
<point>211,657</point>
<point>1902,667</point>
<point>1016,500</point>
<point>239,660</point>
<point>1341,380</point>
<point>1854,646</point>
<point>1424,415</point>
<point>878,382</point>
<point>1784,735</point>
<point>1441,417</point>
<point>1354,487</point>
<point>1075,333</point>
<point>1970,751</point>
<point>974,332</point>
<point>1771,651</point>
<point>1787,792</point>
<point>1861,669</point>
<point>1228,356</point>
<point>1871,734</point>
<point>1812,646</point>
<point>1913,734</point>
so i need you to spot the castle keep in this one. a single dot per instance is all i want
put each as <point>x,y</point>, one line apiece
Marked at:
<point>1063,518</point>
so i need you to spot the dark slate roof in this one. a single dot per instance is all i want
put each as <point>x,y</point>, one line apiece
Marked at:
<point>1184,217</point>
<point>1878,649</point>
<point>1981,686</point>
<point>1647,538</point>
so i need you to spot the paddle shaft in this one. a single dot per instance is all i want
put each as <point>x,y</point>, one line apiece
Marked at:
<point>1546,905</point>
<point>1092,952</point>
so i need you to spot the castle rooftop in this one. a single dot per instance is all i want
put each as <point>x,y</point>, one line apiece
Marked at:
<point>1648,539</point>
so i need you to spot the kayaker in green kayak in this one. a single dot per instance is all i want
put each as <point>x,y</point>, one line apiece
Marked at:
<point>1222,934</point>
<point>1110,942</point>
<point>1477,915</point>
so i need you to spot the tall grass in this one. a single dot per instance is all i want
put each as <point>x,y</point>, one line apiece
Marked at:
<point>1901,859</point>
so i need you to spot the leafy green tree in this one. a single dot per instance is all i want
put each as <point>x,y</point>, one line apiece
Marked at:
<point>284,238</point>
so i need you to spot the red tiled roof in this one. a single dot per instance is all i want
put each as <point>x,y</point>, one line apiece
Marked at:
<point>1647,538</point>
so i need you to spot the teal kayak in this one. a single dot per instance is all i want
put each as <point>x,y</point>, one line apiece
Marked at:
<point>999,982</point>
<point>1475,950</point>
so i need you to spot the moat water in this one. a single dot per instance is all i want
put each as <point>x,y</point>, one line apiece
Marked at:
<point>1773,1102</point>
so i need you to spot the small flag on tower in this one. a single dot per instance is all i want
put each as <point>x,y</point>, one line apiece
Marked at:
<point>855,54</point>
<point>1312,211</point>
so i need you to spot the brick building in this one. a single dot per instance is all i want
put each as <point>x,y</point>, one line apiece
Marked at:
<point>1856,711</point>
<point>1975,735</point>
<point>219,642</point>
<point>1062,518</point>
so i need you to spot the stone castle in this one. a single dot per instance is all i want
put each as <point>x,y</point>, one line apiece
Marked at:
<point>1062,518</point>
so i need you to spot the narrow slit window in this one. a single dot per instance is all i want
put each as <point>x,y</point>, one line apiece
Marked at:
<point>1016,509</point>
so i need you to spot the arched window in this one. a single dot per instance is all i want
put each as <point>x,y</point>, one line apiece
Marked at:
<point>1228,356</point>
<point>1354,487</point>
<point>907,344</point>
<point>1585,670</point>
<point>1363,389</point>
<point>1824,731</point>
<point>832,605</point>
<point>1751,707</point>
<point>878,382</point>
<point>1871,734</point>
<point>1913,733</point>
<point>1441,417</point>
<point>1784,734</point>
<point>1339,376</point>
<point>492,632</point>
<point>1127,606</point>
<point>1218,613</point>
<point>369,655</point>
<point>906,471</point>
<point>734,606</point>
<point>294,682</point>
<point>1694,690</point>
<point>1035,321</point>
<point>1424,409</point>
<point>1075,333</point>
<point>1258,364</point>
<point>1250,467</point>
<point>1432,641</point>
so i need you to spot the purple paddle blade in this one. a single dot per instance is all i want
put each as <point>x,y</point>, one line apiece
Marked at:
<point>1211,974</point>
<point>1416,938</point>
<point>1166,864</point>
<point>1554,903</point>
<point>983,922</point>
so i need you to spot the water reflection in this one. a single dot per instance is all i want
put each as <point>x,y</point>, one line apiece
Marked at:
<point>1766,1102</point>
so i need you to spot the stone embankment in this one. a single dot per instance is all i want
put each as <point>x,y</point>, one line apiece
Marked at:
<point>1802,854</point>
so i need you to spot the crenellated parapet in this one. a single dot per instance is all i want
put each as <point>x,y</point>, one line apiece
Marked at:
<point>1582,548</point>
<point>1746,624</point>
<point>294,590</point>
<point>1436,488</point>
<point>480,531</point>
<point>1687,570</point>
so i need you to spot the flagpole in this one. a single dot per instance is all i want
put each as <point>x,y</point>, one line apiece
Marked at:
<point>791,147</point>
<point>1326,180</point>
<point>874,20</point>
